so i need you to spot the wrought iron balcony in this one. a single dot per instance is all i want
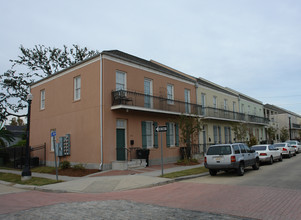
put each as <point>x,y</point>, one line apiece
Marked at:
<point>139,101</point>
<point>214,113</point>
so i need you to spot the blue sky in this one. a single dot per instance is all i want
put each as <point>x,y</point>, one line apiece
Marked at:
<point>252,46</point>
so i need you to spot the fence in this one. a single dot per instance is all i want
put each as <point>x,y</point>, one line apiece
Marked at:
<point>15,156</point>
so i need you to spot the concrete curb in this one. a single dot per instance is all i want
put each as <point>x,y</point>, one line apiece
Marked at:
<point>191,176</point>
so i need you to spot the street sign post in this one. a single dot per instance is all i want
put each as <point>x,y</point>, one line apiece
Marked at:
<point>53,135</point>
<point>161,129</point>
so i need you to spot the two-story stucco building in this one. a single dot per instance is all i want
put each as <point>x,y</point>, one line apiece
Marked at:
<point>110,105</point>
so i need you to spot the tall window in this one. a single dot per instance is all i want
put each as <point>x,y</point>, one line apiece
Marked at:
<point>120,80</point>
<point>203,103</point>
<point>214,101</point>
<point>225,104</point>
<point>172,134</point>
<point>227,135</point>
<point>170,94</point>
<point>242,108</point>
<point>234,106</point>
<point>42,104</point>
<point>148,91</point>
<point>149,137</point>
<point>77,88</point>
<point>187,100</point>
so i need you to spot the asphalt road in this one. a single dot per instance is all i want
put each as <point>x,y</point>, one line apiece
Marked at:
<point>271,193</point>
<point>285,174</point>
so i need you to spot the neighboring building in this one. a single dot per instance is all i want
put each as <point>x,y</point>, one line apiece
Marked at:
<point>110,105</point>
<point>282,118</point>
<point>18,132</point>
<point>223,108</point>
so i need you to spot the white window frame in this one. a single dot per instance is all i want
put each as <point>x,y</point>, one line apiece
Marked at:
<point>214,102</point>
<point>42,101</point>
<point>149,134</point>
<point>120,85</point>
<point>150,92</point>
<point>170,94</point>
<point>172,134</point>
<point>225,104</point>
<point>187,101</point>
<point>77,88</point>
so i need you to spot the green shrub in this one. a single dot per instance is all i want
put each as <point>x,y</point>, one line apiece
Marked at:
<point>79,166</point>
<point>65,164</point>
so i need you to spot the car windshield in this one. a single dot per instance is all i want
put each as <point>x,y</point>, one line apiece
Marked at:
<point>279,145</point>
<point>219,150</point>
<point>291,142</point>
<point>259,148</point>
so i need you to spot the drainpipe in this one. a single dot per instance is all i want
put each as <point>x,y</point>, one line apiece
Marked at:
<point>101,111</point>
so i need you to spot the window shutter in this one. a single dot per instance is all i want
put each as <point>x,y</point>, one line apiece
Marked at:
<point>167,135</point>
<point>230,141</point>
<point>143,128</point>
<point>177,134</point>
<point>155,135</point>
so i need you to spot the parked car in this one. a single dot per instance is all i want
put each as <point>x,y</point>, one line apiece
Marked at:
<point>268,153</point>
<point>226,157</point>
<point>286,148</point>
<point>296,145</point>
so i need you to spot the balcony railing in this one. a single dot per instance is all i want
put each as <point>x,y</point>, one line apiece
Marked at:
<point>209,112</point>
<point>144,102</point>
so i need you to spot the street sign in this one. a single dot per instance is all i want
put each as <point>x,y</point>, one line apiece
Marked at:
<point>161,129</point>
<point>53,134</point>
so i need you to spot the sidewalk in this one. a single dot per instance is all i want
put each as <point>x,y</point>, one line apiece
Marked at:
<point>109,181</point>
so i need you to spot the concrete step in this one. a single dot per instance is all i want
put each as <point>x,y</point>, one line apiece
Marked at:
<point>126,165</point>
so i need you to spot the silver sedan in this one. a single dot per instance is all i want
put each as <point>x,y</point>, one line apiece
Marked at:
<point>267,153</point>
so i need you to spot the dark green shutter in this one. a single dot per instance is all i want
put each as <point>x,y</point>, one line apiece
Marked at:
<point>143,128</point>
<point>155,135</point>
<point>177,134</point>
<point>167,135</point>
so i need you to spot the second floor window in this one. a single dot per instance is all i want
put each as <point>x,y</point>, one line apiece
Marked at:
<point>187,100</point>
<point>170,94</point>
<point>214,101</point>
<point>120,80</point>
<point>77,88</point>
<point>225,104</point>
<point>42,104</point>
<point>148,91</point>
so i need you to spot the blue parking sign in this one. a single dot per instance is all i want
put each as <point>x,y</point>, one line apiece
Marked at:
<point>53,133</point>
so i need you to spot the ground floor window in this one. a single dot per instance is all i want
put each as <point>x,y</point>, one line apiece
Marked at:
<point>149,136</point>
<point>172,134</point>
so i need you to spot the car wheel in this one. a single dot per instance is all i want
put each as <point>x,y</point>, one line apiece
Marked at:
<point>280,158</point>
<point>212,172</point>
<point>295,153</point>
<point>241,169</point>
<point>289,155</point>
<point>271,160</point>
<point>256,165</point>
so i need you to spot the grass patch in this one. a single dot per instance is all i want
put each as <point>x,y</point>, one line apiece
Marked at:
<point>36,181</point>
<point>188,172</point>
<point>43,169</point>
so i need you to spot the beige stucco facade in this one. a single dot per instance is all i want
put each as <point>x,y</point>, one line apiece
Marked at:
<point>93,120</point>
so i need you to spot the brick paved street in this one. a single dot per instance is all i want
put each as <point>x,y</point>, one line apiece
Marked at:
<point>247,201</point>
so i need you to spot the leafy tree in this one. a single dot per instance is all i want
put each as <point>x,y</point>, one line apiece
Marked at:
<point>13,122</point>
<point>190,127</point>
<point>240,131</point>
<point>284,135</point>
<point>5,135</point>
<point>271,133</point>
<point>34,64</point>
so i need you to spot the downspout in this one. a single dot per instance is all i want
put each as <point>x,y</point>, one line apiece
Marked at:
<point>101,111</point>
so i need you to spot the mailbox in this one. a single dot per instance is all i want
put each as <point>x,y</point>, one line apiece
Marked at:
<point>63,147</point>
